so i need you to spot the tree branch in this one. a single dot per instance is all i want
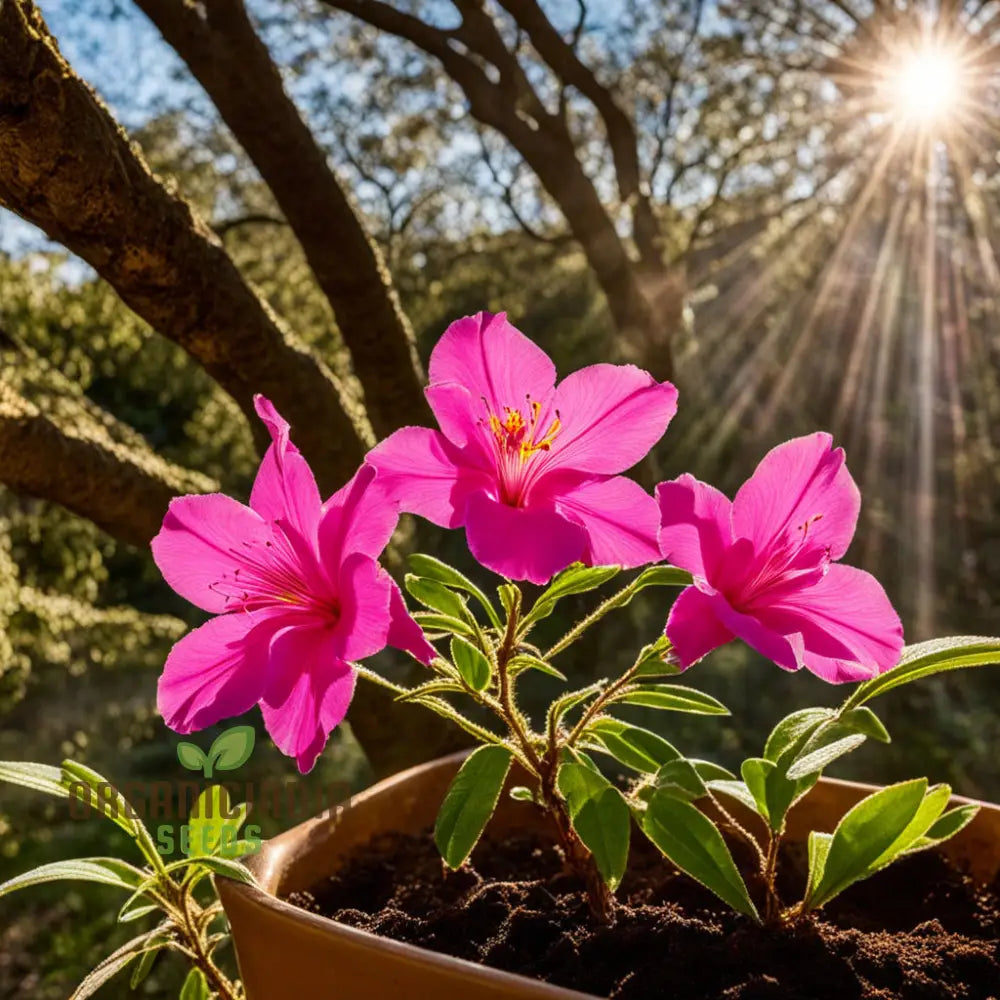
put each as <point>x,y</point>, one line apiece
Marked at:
<point>544,142</point>
<point>66,167</point>
<point>562,59</point>
<point>223,51</point>
<point>89,464</point>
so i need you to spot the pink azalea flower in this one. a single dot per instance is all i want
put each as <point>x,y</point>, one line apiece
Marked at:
<point>764,567</point>
<point>530,468</point>
<point>297,593</point>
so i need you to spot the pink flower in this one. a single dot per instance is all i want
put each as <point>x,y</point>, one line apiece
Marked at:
<point>764,569</point>
<point>297,593</point>
<point>526,466</point>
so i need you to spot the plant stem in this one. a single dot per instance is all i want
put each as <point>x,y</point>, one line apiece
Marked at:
<point>201,957</point>
<point>546,769</point>
<point>614,601</point>
<point>598,703</point>
<point>772,905</point>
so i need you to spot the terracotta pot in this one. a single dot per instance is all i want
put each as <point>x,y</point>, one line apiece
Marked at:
<point>286,953</point>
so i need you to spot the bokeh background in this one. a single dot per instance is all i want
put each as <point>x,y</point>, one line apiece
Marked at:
<point>789,207</point>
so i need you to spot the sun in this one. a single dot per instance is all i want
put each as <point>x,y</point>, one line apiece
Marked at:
<point>925,85</point>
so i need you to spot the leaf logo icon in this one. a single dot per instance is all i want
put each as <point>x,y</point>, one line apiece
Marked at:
<point>229,750</point>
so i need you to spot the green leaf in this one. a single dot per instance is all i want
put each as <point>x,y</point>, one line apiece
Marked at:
<point>428,688</point>
<point>819,848</point>
<point>632,746</point>
<point>575,579</point>
<point>662,576</point>
<point>793,730</point>
<point>694,844</point>
<point>214,865</point>
<point>773,792</point>
<point>144,966</point>
<point>429,621</point>
<point>195,987</point>
<point>94,789</point>
<point>116,961</point>
<point>680,778</point>
<point>708,770</point>
<point>864,720</point>
<point>567,702</point>
<point>136,907</point>
<point>865,834</point>
<point>191,756</point>
<point>38,777</point>
<point>651,660</point>
<point>521,794</point>
<point>433,569</point>
<point>510,597</point>
<point>471,664</point>
<point>232,748</point>
<point>107,871</point>
<point>815,761</point>
<point>600,817</point>
<point>524,661</point>
<point>437,597</point>
<point>470,802</point>
<point>945,827</point>
<point>671,698</point>
<point>735,790</point>
<point>928,658</point>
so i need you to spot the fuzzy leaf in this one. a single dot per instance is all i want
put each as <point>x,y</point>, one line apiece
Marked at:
<point>818,759</point>
<point>632,746</point>
<point>945,827</point>
<point>794,730</point>
<point>671,698</point>
<point>471,664</point>
<point>430,621</point>
<point>865,835</point>
<point>524,661</point>
<point>575,579</point>
<point>437,597</point>
<point>470,802</point>
<point>107,871</point>
<point>433,569</point>
<point>38,777</point>
<point>928,658</point>
<point>693,842</point>
<point>195,987</point>
<point>601,818</point>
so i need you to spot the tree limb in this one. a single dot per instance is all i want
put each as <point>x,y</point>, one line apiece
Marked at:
<point>224,52</point>
<point>77,463</point>
<point>66,167</point>
<point>543,140</point>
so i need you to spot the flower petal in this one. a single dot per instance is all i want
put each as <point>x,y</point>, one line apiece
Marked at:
<point>693,627</point>
<point>307,693</point>
<point>610,415</point>
<point>849,628</point>
<point>359,517</point>
<point>522,543</point>
<point>215,672</point>
<point>786,650</point>
<point>695,525</point>
<point>202,541</point>
<point>422,472</point>
<point>620,519</point>
<point>801,486</point>
<point>364,591</point>
<point>404,632</point>
<point>285,487</point>
<point>493,360</point>
<point>460,415</point>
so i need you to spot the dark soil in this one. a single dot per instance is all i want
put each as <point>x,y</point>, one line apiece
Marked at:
<point>920,930</point>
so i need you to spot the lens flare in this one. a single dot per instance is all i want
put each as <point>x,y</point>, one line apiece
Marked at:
<point>926,85</point>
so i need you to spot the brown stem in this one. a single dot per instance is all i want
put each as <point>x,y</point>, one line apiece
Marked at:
<point>200,956</point>
<point>772,905</point>
<point>546,767</point>
<point>598,703</point>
